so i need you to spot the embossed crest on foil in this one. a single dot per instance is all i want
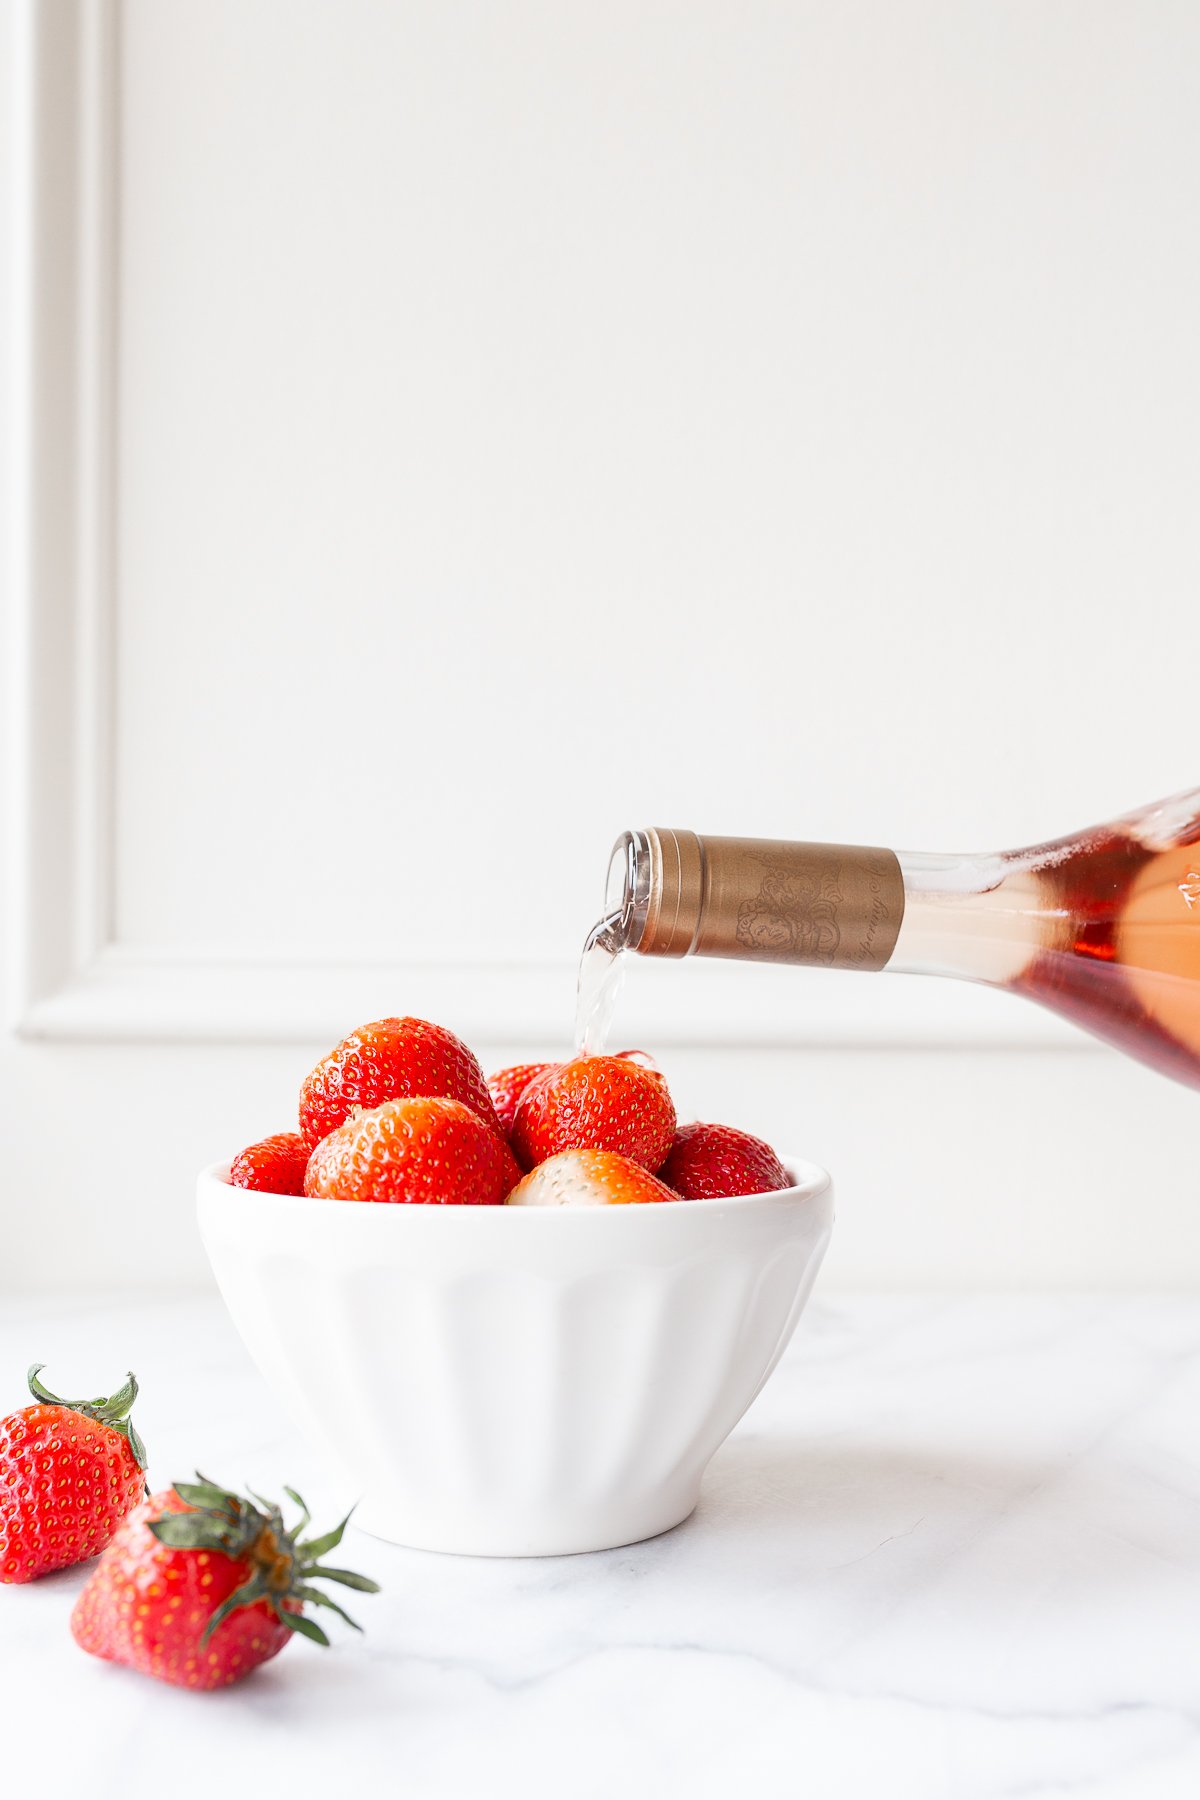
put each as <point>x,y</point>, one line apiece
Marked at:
<point>794,915</point>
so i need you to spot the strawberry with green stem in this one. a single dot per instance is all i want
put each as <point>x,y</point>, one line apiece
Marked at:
<point>200,1586</point>
<point>70,1472</point>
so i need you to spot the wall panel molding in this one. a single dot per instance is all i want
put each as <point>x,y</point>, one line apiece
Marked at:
<point>69,979</point>
<point>64,269</point>
<point>126,995</point>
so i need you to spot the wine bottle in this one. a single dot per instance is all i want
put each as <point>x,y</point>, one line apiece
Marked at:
<point>1102,927</point>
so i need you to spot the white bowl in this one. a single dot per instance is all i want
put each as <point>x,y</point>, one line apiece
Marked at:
<point>517,1381</point>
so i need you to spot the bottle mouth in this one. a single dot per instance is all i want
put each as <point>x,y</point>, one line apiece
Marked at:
<point>627,890</point>
<point>656,889</point>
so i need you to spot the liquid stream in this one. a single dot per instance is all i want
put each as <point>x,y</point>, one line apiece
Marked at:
<point>601,974</point>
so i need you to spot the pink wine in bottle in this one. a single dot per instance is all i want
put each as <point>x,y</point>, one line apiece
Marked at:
<point>1102,927</point>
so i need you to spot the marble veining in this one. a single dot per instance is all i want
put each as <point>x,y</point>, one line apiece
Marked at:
<point>952,1553</point>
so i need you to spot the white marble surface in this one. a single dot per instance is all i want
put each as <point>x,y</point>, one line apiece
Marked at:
<point>953,1553</point>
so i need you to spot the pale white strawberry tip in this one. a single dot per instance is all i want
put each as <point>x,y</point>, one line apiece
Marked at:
<point>588,1178</point>
<point>554,1183</point>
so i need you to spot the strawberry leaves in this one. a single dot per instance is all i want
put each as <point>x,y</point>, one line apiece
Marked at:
<point>112,1411</point>
<point>321,1546</point>
<point>283,1565</point>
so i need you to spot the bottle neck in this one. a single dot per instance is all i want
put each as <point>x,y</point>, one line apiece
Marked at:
<point>977,918</point>
<point>672,893</point>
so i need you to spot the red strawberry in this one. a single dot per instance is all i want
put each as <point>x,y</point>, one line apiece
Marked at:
<point>70,1471</point>
<point>423,1152</point>
<point>588,1178</point>
<point>198,1587</point>
<point>393,1059</point>
<point>275,1165</point>
<point>595,1103</point>
<point>710,1161</point>
<point>507,1085</point>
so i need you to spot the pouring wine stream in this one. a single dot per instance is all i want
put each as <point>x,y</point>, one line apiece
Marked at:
<point>601,973</point>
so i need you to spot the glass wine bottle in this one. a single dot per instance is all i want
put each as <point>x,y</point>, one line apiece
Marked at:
<point>1102,927</point>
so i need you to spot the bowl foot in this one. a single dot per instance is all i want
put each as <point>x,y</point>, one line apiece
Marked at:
<point>564,1531</point>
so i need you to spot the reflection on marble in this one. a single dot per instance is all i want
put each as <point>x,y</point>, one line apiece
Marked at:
<point>953,1553</point>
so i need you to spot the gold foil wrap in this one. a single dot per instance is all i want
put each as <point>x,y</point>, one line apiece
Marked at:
<point>834,906</point>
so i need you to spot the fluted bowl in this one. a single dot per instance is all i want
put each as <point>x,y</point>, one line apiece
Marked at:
<point>517,1381</point>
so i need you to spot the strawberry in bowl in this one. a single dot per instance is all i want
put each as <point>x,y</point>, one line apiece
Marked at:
<point>595,1103</point>
<point>424,1152</point>
<point>712,1162</point>
<point>391,1059</point>
<point>507,1085</point>
<point>589,1178</point>
<point>275,1165</point>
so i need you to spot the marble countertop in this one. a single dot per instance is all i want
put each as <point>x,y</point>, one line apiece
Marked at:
<point>952,1553</point>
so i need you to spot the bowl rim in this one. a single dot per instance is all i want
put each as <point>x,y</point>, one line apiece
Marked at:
<point>810,1181</point>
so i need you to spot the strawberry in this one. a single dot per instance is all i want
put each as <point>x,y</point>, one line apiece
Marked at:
<point>275,1165</point>
<point>709,1161</point>
<point>507,1085</point>
<point>588,1178</point>
<point>70,1471</point>
<point>416,1151</point>
<point>200,1586</point>
<point>392,1059</point>
<point>595,1103</point>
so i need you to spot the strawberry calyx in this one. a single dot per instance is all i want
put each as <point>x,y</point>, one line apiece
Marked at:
<point>283,1564</point>
<point>113,1410</point>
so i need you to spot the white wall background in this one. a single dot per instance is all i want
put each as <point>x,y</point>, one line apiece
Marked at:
<point>482,427</point>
